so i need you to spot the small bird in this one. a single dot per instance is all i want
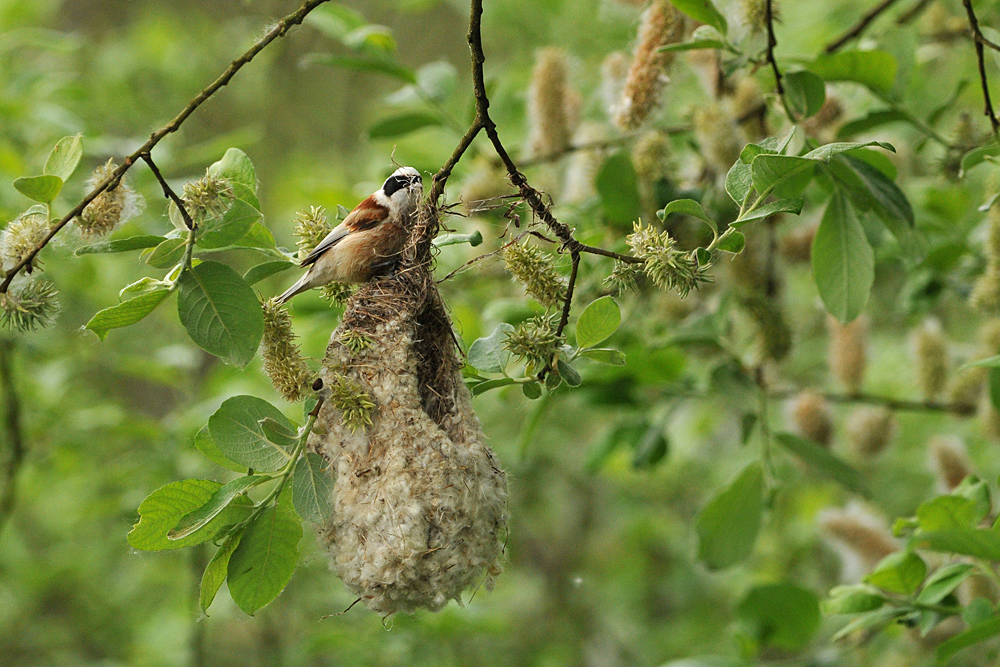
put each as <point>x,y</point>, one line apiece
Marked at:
<point>368,240</point>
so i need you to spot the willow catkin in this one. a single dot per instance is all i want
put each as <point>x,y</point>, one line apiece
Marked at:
<point>583,166</point>
<point>536,271</point>
<point>870,430</point>
<point>985,296</point>
<point>950,461</point>
<point>717,136</point>
<point>614,70</point>
<point>661,25</point>
<point>22,235</point>
<point>110,208</point>
<point>930,349</point>
<point>548,120</point>
<point>859,534</point>
<point>283,363</point>
<point>650,155</point>
<point>811,417</point>
<point>847,355</point>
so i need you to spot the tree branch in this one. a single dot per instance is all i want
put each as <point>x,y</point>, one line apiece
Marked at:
<point>274,33</point>
<point>859,27</point>
<point>915,10</point>
<point>888,402</point>
<point>168,192</point>
<point>772,42</point>
<point>13,436</point>
<point>979,40</point>
<point>568,302</point>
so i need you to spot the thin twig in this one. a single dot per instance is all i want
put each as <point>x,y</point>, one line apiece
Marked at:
<point>597,145</point>
<point>889,402</point>
<point>859,27</point>
<point>772,42</point>
<point>568,302</point>
<point>114,177</point>
<point>979,40</point>
<point>13,435</point>
<point>913,12</point>
<point>479,258</point>
<point>168,192</point>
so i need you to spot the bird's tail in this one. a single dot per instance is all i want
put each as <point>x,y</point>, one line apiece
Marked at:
<point>301,285</point>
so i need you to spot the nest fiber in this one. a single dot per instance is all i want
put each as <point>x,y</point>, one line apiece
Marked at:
<point>420,502</point>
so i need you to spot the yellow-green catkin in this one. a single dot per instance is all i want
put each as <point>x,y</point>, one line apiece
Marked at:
<point>860,532</point>
<point>985,295</point>
<point>870,430</point>
<point>930,349</point>
<point>208,197</point>
<point>650,158</point>
<point>535,270</point>
<point>847,355</point>
<point>110,208</point>
<point>283,362</point>
<point>950,461</point>
<point>350,398</point>
<point>534,342</point>
<point>717,136</point>
<point>754,14</point>
<point>614,70</point>
<point>811,417</point>
<point>311,227</point>
<point>548,119</point>
<point>661,25</point>
<point>22,235</point>
<point>965,388</point>
<point>29,306</point>
<point>664,263</point>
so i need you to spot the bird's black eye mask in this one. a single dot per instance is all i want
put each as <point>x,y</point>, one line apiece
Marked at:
<point>394,183</point>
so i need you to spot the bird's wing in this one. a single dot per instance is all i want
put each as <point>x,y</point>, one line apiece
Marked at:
<point>365,215</point>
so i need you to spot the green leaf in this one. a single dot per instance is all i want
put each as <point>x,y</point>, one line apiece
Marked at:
<point>872,619</point>
<point>793,206</point>
<point>977,156</point>
<point>942,583</point>
<point>853,599</point>
<point>365,64</point>
<point>437,80</point>
<point>968,542</point>
<point>230,228</point>
<point>617,187</point>
<point>139,242</point>
<point>126,313</point>
<point>235,427</point>
<point>597,322</point>
<point>39,188</point>
<point>220,312</point>
<point>312,488</point>
<point>901,572</point>
<point>805,93</point>
<point>688,207</point>
<point>728,525</point>
<point>768,171</point>
<point>872,189</point>
<point>216,571</point>
<point>605,355</point>
<point>473,239</point>
<point>703,37</point>
<point>266,270</point>
<point>279,433</point>
<point>872,120</point>
<point>651,447</point>
<point>265,559</point>
<point>259,237</point>
<point>824,461</point>
<point>843,262</point>
<point>487,385</point>
<point>739,181</point>
<point>782,616</point>
<point>704,11</point>
<point>947,513</point>
<point>236,167</point>
<point>971,637</point>
<point>163,508</point>
<point>220,500</point>
<point>488,354</point>
<point>403,124</point>
<point>874,69</point>
<point>826,152</point>
<point>531,390</point>
<point>203,443</point>
<point>568,373</point>
<point>64,157</point>
<point>167,254</point>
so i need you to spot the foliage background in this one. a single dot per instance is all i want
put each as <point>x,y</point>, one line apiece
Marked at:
<point>601,567</point>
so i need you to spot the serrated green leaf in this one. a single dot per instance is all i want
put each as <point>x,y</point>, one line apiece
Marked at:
<point>843,262</point>
<point>488,354</point>
<point>216,571</point>
<point>39,188</point>
<point>236,430</point>
<point>805,92</point>
<point>203,443</point>
<point>162,509</point>
<point>265,559</point>
<point>824,461</point>
<point>617,187</point>
<point>126,313</point>
<point>704,11</point>
<point>598,321</point>
<point>220,500</point>
<point>220,312</point>
<point>793,206</point>
<point>403,124</point>
<point>312,488</point>
<point>728,525</point>
<point>236,167</point>
<point>139,242</point>
<point>901,572</point>
<point>64,157</point>
<point>266,270</point>
<point>167,254</point>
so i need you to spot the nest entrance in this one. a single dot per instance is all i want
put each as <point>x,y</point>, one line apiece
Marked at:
<point>419,498</point>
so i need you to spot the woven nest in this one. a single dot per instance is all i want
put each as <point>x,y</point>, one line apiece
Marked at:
<point>419,500</point>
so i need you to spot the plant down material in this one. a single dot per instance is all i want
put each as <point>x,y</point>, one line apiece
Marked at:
<point>661,25</point>
<point>110,208</point>
<point>419,500</point>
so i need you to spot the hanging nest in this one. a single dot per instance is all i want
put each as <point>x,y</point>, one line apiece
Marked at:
<point>419,499</point>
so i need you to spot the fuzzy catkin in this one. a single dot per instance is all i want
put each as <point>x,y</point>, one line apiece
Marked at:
<point>535,270</point>
<point>847,354</point>
<point>717,137</point>
<point>283,363</point>
<point>29,306</point>
<point>110,208</point>
<point>548,98</point>
<point>950,461</point>
<point>860,532</point>
<point>985,296</point>
<point>581,172</point>
<point>870,430</point>
<point>614,70</point>
<point>311,227</point>
<point>661,25</point>
<point>811,417</point>
<point>22,235</point>
<point>931,358</point>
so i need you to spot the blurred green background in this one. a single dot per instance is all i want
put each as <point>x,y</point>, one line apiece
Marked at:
<point>600,561</point>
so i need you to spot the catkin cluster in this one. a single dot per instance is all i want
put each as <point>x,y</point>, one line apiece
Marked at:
<point>534,269</point>
<point>208,197</point>
<point>930,350</point>
<point>22,235</point>
<point>870,430</point>
<point>283,363</point>
<point>550,104</point>
<point>811,417</point>
<point>534,342</point>
<point>985,295</point>
<point>664,263</point>
<point>661,25</point>
<point>110,208</point>
<point>310,227</point>
<point>950,461</point>
<point>718,137</point>
<point>29,306</point>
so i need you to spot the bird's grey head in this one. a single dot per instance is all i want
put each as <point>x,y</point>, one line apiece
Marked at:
<point>404,182</point>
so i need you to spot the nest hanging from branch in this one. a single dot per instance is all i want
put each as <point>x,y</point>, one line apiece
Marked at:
<point>420,502</point>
